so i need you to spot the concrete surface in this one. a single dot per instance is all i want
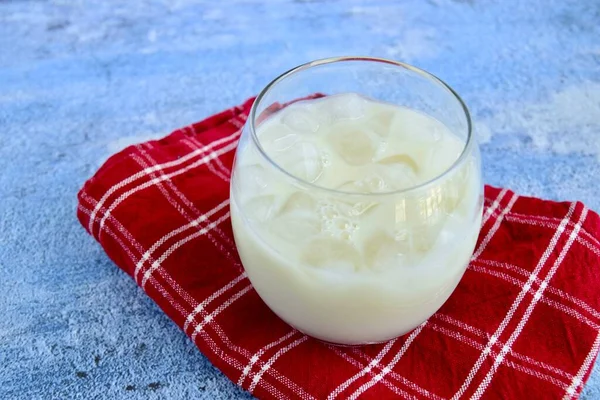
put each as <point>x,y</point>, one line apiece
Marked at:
<point>80,80</point>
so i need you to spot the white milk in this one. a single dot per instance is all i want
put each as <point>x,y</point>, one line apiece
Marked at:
<point>358,267</point>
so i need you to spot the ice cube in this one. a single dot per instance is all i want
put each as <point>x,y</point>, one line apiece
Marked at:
<point>296,228</point>
<point>347,207</point>
<point>300,120</point>
<point>453,188</point>
<point>452,227</point>
<point>424,207</point>
<point>382,251</point>
<point>401,160</point>
<point>261,208</point>
<point>303,160</point>
<point>467,195</point>
<point>299,203</point>
<point>380,122</point>
<point>346,106</point>
<point>422,218</point>
<point>250,180</point>
<point>353,143</point>
<point>275,137</point>
<point>416,154</point>
<point>331,254</point>
<point>285,142</point>
<point>319,112</point>
<point>399,171</point>
<point>424,237</point>
<point>413,126</point>
<point>443,154</point>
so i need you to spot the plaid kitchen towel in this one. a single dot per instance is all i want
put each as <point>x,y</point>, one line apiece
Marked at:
<point>523,322</point>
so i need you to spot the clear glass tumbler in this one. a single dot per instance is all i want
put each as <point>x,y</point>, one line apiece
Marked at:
<point>371,259</point>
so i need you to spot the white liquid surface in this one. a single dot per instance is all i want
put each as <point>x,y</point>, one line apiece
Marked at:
<point>354,268</point>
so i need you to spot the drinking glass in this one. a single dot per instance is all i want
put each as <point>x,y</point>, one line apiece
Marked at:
<point>309,278</point>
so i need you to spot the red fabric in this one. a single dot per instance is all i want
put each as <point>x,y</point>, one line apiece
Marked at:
<point>523,322</point>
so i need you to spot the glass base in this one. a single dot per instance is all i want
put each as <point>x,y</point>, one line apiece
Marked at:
<point>360,344</point>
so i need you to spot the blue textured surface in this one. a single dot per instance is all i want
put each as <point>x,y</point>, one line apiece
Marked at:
<point>80,80</point>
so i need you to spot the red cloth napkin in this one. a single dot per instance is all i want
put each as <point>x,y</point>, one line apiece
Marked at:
<point>523,322</point>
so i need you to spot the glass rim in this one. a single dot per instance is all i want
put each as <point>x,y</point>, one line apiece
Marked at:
<point>331,60</point>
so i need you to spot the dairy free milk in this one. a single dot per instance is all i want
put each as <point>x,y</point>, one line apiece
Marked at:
<point>358,245</point>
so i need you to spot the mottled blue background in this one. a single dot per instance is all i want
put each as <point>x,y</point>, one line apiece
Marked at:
<point>80,80</point>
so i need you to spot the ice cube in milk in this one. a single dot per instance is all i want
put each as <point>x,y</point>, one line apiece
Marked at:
<point>375,262</point>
